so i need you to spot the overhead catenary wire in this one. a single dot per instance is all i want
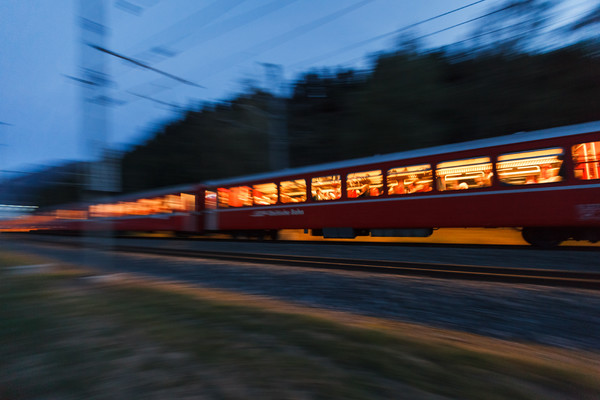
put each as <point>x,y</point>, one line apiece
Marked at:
<point>144,65</point>
<point>379,37</point>
<point>201,27</point>
<point>184,28</point>
<point>356,59</point>
<point>234,59</point>
<point>216,29</point>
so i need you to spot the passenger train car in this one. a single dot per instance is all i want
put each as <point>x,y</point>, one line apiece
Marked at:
<point>171,209</point>
<point>545,182</point>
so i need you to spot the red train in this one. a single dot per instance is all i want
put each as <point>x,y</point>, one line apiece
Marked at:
<point>546,182</point>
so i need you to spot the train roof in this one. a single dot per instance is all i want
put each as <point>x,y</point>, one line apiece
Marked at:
<point>519,137</point>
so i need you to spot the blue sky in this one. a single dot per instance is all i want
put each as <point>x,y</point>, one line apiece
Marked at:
<point>214,43</point>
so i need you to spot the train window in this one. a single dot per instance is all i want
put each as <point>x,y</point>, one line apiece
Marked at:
<point>171,203</point>
<point>240,196</point>
<point>292,191</point>
<point>223,197</point>
<point>210,200</point>
<point>471,173</point>
<point>326,188</point>
<point>530,167</point>
<point>364,184</point>
<point>413,179</point>
<point>264,194</point>
<point>586,158</point>
<point>188,201</point>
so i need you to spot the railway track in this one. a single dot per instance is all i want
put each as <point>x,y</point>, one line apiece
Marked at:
<point>533,276</point>
<point>559,278</point>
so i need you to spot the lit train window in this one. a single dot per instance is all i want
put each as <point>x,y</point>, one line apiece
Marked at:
<point>326,188</point>
<point>530,167</point>
<point>240,196</point>
<point>264,194</point>
<point>364,184</point>
<point>471,173</point>
<point>292,191</point>
<point>586,158</point>
<point>170,203</point>
<point>188,201</point>
<point>413,179</point>
<point>223,197</point>
<point>210,200</point>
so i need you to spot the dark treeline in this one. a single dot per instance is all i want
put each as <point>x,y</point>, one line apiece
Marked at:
<point>408,100</point>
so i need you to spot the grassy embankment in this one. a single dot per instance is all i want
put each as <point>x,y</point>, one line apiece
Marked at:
<point>70,335</point>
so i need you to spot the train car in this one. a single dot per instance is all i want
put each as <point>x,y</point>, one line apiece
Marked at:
<point>546,183</point>
<point>172,209</point>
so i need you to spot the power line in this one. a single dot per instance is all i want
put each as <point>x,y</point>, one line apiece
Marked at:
<point>379,37</point>
<point>164,103</point>
<point>218,29</point>
<point>356,59</point>
<point>462,23</point>
<point>236,58</point>
<point>555,25</point>
<point>181,32</point>
<point>181,29</point>
<point>144,65</point>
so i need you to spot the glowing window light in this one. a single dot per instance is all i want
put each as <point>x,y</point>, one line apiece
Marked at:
<point>188,201</point>
<point>210,200</point>
<point>326,188</point>
<point>465,174</point>
<point>532,154</point>
<point>292,191</point>
<point>223,197</point>
<point>413,169</point>
<point>463,163</point>
<point>530,167</point>
<point>240,196</point>
<point>410,179</point>
<point>364,184</point>
<point>264,194</point>
<point>586,157</point>
<point>527,162</point>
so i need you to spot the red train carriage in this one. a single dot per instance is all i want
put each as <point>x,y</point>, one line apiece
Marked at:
<point>546,182</point>
<point>171,209</point>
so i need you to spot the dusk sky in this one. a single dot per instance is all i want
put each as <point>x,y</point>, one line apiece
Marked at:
<point>219,44</point>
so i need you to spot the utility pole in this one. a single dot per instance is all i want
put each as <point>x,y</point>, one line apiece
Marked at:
<point>278,138</point>
<point>101,177</point>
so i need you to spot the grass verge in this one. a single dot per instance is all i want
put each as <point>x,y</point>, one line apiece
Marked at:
<point>66,334</point>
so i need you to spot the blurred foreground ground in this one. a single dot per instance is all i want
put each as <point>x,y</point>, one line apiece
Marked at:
<point>70,334</point>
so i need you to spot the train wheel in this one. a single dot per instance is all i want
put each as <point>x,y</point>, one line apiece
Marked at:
<point>544,237</point>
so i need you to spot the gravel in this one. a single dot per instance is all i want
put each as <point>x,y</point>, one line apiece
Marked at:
<point>568,318</point>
